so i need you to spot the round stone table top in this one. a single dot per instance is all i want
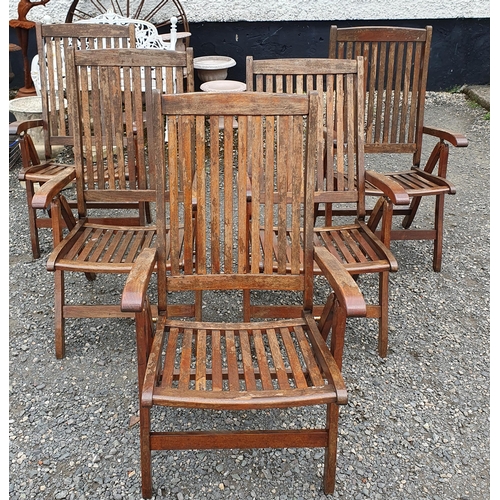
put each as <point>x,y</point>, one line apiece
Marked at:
<point>181,34</point>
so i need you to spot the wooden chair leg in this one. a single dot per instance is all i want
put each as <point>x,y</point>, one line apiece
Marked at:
<point>408,219</point>
<point>35,242</point>
<point>383,328</point>
<point>438,242</point>
<point>332,423</point>
<point>376,214</point>
<point>58,314</point>
<point>146,476</point>
<point>325,321</point>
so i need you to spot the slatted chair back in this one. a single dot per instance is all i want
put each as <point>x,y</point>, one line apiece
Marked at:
<point>336,83</point>
<point>208,160</point>
<point>110,89</point>
<point>396,67</point>
<point>53,41</point>
<point>110,97</point>
<point>340,179</point>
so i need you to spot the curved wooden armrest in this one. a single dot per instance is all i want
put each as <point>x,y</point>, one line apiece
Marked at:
<point>48,190</point>
<point>391,189</point>
<point>17,128</point>
<point>346,290</point>
<point>458,140</point>
<point>134,291</point>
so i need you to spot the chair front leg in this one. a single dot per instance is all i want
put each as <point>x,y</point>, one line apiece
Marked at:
<point>383,325</point>
<point>35,241</point>
<point>145,439</point>
<point>59,313</point>
<point>332,425</point>
<point>438,225</point>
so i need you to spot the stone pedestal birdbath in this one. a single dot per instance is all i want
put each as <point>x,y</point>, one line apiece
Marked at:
<point>30,108</point>
<point>213,67</point>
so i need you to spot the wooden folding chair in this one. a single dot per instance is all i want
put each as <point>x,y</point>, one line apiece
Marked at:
<point>354,245</point>
<point>229,364</point>
<point>109,93</point>
<point>396,66</point>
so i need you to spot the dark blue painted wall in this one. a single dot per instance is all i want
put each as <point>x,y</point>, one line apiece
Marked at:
<point>460,51</point>
<point>460,48</point>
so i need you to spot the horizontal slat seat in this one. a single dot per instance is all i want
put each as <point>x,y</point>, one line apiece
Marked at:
<point>263,364</point>
<point>103,248</point>
<point>415,184</point>
<point>352,247</point>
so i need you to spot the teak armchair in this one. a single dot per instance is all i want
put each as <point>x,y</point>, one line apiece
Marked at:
<point>354,245</point>
<point>53,41</point>
<point>396,67</point>
<point>226,364</point>
<point>112,166</point>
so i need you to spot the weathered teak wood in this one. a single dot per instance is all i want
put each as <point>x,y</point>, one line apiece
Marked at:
<point>53,40</point>
<point>354,245</point>
<point>109,93</point>
<point>396,67</point>
<point>232,364</point>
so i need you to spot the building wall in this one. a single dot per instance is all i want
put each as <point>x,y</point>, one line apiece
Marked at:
<point>198,11</point>
<point>277,28</point>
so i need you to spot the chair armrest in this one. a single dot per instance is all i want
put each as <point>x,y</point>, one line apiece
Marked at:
<point>345,288</point>
<point>17,128</point>
<point>48,190</point>
<point>391,189</point>
<point>134,291</point>
<point>458,140</point>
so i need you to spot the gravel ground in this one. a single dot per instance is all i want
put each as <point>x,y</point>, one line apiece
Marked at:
<point>417,423</point>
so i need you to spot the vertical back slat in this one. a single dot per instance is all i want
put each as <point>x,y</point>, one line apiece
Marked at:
<point>380,93</point>
<point>242,191</point>
<point>403,128</point>
<point>340,109</point>
<point>229,211</point>
<point>372,79</point>
<point>282,165</point>
<point>396,105</point>
<point>215,206</point>
<point>174,190</point>
<point>270,136</point>
<point>416,93</point>
<point>254,162</point>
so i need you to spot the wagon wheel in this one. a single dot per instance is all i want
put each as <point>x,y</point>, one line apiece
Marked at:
<point>157,12</point>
